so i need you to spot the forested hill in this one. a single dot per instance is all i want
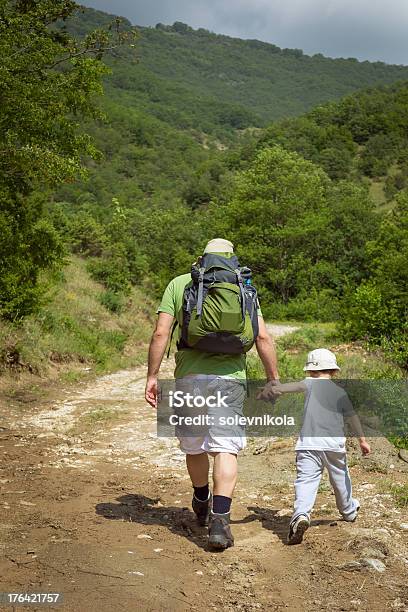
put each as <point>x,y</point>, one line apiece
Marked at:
<point>194,79</point>
<point>171,167</point>
<point>363,137</point>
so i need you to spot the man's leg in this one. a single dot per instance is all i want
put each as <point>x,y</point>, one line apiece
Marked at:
<point>191,443</point>
<point>224,478</point>
<point>198,467</point>
<point>224,442</point>
<point>225,473</point>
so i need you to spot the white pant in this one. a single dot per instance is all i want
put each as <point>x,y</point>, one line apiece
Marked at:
<point>310,465</point>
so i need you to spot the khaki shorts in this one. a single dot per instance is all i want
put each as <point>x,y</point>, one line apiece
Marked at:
<point>217,438</point>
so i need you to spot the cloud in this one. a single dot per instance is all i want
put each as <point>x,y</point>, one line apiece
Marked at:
<point>367,29</point>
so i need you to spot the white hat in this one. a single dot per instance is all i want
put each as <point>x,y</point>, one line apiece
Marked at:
<point>321,359</point>
<point>219,245</point>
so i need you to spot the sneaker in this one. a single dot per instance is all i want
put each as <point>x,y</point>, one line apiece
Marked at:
<point>353,517</point>
<point>219,532</point>
<point>297,529</point>
<point>202,510</point>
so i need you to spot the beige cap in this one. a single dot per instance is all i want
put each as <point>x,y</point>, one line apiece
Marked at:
<point>219,245</point>
<point>321,359</point>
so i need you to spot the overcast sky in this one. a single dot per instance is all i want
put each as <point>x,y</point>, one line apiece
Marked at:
<point>366,29</point>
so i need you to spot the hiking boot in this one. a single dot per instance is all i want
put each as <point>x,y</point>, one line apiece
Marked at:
<point>202,510</point>
<point>297,529</point>
<point>219,532</point>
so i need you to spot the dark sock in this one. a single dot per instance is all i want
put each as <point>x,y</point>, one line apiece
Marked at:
<point>202,493</point>
<point>221,504</point>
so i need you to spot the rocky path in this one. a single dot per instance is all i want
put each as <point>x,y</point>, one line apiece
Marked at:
<point>95,506</point>
<point>279,330</point>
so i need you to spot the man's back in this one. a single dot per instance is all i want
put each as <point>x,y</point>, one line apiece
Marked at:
<point>191,361</point>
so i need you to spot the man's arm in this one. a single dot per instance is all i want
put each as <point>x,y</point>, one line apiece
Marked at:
<point>267,351</point>
<point>157,349</point>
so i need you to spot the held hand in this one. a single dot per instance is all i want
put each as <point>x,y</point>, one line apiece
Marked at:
<point>365,447</point>
<point>269,391</point>
<point>151,391</point>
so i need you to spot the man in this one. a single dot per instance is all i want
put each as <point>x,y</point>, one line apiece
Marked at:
<point>197,369</point>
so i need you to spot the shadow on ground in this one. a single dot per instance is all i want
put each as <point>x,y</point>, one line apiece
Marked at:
<point>144,510</point>
<point>279,525</point>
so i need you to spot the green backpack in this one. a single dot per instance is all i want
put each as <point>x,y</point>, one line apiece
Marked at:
<point>219,307</point>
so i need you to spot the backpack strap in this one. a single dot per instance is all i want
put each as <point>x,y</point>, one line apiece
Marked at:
<point>200,296</point>
<point>171,337</point>
<point>242,291</point>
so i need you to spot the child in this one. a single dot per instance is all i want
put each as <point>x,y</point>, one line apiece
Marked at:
<point>321,442</point>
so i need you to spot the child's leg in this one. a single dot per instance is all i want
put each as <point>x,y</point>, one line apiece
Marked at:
<point>309,468</point>
<point>336,464</point>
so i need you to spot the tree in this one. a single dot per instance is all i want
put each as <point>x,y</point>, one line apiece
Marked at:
<point>277,217</point>
<point>181,28</point>
<point>48,82</point>
<point>336,162</point>
<point>302,235</point>
<point>378,309</point>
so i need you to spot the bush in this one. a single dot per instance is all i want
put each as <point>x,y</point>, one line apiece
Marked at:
<point>321,306</point>
<point>29,246</point>
<point>396,347</point>
<point>112,272</point>
<point>309,337</point>
<point>289,368</point>
<point>377,310</point>
<point>115,302</point>
<point>86,236</point>
<point>367,316</point>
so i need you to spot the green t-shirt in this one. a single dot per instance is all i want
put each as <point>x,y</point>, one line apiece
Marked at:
<point>191,361</point>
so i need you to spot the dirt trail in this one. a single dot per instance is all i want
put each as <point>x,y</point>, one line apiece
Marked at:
<point>279,330</point>
<point>95,506</point>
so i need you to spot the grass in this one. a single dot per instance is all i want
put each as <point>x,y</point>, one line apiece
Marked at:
<point>399,442</point>
<point>324,487</point>
<point>279,488</point>
<point>75,330</point>
<point>376,190</point>
<point>309,337</point>
<point>71,376</point>
<point>293,348</point>
<point>102,414</point>
<point>399,492</point>
<point>376,467</point>
<point>355,361</point>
